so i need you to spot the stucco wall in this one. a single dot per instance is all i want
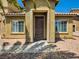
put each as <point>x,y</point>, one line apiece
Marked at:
<point>1,24</point>
<point>50,21</point>
<point>5,5</point>
<point>8,33</point>
<point>52,25</point>
<point>0,27</point>
<point>69,28</point>
<point>41,6</point>
<point>76,22</point>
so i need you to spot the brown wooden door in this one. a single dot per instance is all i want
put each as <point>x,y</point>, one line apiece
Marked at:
<point>39,28</point>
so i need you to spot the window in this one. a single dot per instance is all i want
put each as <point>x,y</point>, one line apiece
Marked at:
<point>61,26</point>
<point>74,28</point>
<point>17,26</point>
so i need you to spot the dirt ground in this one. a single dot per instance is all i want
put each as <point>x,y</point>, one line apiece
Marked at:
<point>69,45</point>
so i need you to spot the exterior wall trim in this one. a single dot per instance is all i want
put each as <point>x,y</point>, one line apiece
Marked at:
<point>32,11</point>
<point>14,14</point>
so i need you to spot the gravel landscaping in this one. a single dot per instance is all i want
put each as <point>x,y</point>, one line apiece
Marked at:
<point>65,49</point>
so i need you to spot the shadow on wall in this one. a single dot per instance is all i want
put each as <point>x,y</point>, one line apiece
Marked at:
<point>6,48</point>
<point>57,37</point>
<point>27,35</point>
<point>18,44</point>
<point>27,38</point>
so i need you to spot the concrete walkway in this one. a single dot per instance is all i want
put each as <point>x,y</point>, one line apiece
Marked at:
<point>75,33</point>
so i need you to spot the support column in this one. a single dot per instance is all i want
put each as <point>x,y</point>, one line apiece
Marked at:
<point>51,25</point>
<point>28,27</point>
<point>48,24</point>
<point>31,25</point>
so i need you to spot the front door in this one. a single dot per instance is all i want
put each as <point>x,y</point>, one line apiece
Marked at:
<point>39,27</point>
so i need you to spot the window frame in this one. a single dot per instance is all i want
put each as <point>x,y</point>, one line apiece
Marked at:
<point>60,21</point>
<point>17,32</point>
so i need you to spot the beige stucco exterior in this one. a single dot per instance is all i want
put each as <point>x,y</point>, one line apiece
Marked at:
<point>41,7</point>
<point>28,18</point>
<point>69,33</point>
<point>8,33</point>
<point>76,23</point>
<point>0,26</point>
<point>76,19</point>
<point>5,6</point>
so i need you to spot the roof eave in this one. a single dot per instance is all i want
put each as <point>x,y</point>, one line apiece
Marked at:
<point>68,15</point>
<point>14,14</point>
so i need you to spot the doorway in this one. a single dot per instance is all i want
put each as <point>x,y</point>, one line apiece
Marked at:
<point>40,27</point>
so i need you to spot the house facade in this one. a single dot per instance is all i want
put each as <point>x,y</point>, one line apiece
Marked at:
<point>38,24</point>
<point>76,19</point>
